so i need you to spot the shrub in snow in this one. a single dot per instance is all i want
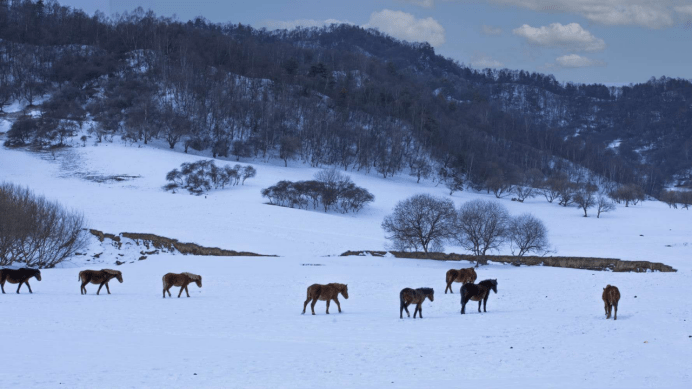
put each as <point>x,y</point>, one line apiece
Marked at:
<point>35,231</point>
<point>420,222</point>
<point>481,226</point>
<point>198,177</point>
<point>526,233</point>
<point>329,190</point>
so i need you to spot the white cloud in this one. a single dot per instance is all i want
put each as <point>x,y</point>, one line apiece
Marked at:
<point>644,13</point>
<point>570,36</point>
<point>405,26</point>
<point>575,61</point>
<point>482,61</point>
<point>684,9</point>
<point>291,24</point>
<point>490,30</point>
<point>421,3</point>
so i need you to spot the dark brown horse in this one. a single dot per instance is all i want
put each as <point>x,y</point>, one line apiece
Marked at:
<point>325,293</point>
<point>409,296</point>
<point>182,280</point>
<point>611,297</point>
<point>477,292</point>
<point>99,277</point>
<point>18,276</point>
<point>464,276</point>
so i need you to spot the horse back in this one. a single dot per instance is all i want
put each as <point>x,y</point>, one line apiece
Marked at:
<point>611,295</point>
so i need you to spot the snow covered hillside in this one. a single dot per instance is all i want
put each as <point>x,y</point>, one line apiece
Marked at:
<point>545,327</point>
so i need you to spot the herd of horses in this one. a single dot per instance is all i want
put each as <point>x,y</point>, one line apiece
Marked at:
<point>316,292</point>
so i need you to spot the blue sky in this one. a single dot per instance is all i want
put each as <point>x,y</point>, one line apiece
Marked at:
<point>606,41</point>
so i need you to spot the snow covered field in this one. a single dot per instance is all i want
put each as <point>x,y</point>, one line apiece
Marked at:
<point>545,327</point>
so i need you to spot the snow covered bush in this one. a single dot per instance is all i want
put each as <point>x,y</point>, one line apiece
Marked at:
<point>203,175</point>
<point>420,222</point>
<point>330,190</point>
<point>35,231</point>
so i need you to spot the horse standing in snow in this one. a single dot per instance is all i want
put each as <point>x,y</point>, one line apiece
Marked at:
<point>325,293</point>
<point>182,280</point>
<point>18,276</point>
<point>464,276</point>
<point>477,292</point>
<point>409,296</point>
<point>611,297</point>
<point>100,277</point>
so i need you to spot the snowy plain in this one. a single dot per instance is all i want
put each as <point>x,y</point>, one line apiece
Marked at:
<point>545,327</point>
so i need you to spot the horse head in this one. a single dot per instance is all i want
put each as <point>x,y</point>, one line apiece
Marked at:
<point>494,285</point>
<point>37,274</point>
<point>344,291</point>
<point>198,281</point>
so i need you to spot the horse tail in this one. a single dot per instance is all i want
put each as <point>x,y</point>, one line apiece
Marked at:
<point>463,290</point>
<point>164,282</point>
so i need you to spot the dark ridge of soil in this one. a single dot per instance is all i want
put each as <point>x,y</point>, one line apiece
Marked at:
<point>586,263</point>
<point>168,244</point>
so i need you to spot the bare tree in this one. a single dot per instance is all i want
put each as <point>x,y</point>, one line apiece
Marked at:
<point>584,198</point>
<point>420,222</point>
<point>669,197</point>
<point>35,231</point>
<point>481,226</point>
<point>524,192</point>
<point>603,204</point>
<point>527,234</point>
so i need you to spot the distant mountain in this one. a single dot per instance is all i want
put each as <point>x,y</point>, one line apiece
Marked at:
<point>339,95</point>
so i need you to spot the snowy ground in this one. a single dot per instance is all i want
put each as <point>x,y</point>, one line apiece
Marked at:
<point>545,327</point>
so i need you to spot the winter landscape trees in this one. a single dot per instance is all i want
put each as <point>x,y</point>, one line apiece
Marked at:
<point>424,222</point>
<point>204,175</point>
<point>36,232</point>
<point>330,189</point>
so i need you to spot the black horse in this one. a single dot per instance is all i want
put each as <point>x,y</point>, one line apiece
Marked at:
<point>409,296</point>
<point>18,276</point>
<point>477,292</point>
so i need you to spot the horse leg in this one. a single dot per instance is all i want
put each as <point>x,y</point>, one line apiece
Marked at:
<point>608,311</point>
<point>107,288</point>
<point>181,290</point>
<point>328,300</point>
<point>187,291</point>
<point>406,308</point>
<point>169,290</point>
<point>485,301</point>
<point>28,286</point>
<point>464,300</point>
<point>420,310</point>
<point>616,311</point>
<point>336,300</point>
<point>2,286</point>
<point>82,289</point>
<point>312,305</point>
<point>305,304</point>
<point>449,286</point>
<point>100,286</point>
<point>20,285</point>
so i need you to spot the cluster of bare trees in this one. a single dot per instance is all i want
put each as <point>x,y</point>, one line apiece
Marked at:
<point>336,96</point>
<point>330,189</point>
<point>427,223</point>
<point>673,198</point>
<point>203,175</point>
<point>36,232</point>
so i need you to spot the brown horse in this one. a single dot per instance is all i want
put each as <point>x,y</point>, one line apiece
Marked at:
<point>100,277</point>
<point>611,297</point>
<point>465,276</point>
<point>182,280</point>
<point>409,296</point>
<point>325,293</point>
<point>18,276</point>
<point>477,292</point>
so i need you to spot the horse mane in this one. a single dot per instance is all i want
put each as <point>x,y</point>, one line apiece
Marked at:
<point>491,282</point>
<point>194,277</point>
<point>426,290</point>
<point>111,271</point>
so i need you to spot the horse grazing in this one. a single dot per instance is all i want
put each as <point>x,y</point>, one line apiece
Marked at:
<point>477,292</point>
<point>325,293</point>
<point>100,277</point>
<point>182,280</point>
<point>464,276</point>
<point>18,276</point>
<point>409,296</point>
<point>611,296</point>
